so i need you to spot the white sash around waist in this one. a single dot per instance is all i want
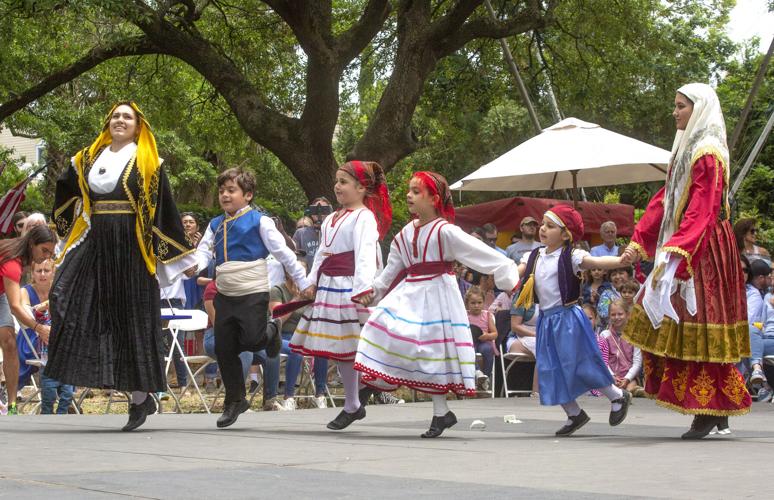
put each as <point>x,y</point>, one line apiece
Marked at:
<point>237,278</point>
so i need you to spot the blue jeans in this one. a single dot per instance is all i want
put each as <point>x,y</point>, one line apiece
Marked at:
<point>487,352</point>
<point>209,348</point>
<point>756,351</point>
<point>48,394</point>
<point>293,368</point>
<point>270,365</point>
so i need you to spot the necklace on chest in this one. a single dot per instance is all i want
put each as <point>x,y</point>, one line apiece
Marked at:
<point>101,170</point>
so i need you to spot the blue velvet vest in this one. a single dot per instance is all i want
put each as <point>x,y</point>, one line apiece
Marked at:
<point>238,238</point>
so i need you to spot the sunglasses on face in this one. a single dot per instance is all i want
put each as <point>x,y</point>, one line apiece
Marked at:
<point>753,231</point>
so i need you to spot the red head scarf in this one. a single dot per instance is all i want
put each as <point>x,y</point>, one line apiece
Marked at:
<point>436,184</point>
<point>568,218</point>
<point>370,175</point>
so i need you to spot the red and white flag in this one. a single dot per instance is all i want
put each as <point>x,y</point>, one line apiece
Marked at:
<point>9,204</point>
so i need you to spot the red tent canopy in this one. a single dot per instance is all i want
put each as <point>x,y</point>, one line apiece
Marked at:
<point>507,213</point>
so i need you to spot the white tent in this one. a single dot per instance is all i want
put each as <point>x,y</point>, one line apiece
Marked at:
<point>570,154</point>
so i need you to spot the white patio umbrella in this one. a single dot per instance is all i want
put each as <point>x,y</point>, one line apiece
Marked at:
<point>570,154</point>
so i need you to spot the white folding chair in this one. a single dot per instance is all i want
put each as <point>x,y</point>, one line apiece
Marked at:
<point>512,358</point>
<point>185,320</point>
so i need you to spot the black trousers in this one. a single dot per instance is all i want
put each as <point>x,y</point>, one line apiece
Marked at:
<point>240,325</point>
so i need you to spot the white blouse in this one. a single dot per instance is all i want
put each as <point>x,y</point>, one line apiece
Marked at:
<point>113,164</point>
<point>547,275</point>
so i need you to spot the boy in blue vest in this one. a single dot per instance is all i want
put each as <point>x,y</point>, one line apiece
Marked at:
<point>239,241</point>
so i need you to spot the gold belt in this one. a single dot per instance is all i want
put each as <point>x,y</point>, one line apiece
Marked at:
<point>112,207</point>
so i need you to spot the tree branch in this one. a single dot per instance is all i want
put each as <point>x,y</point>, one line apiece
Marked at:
<point>355,39</point>
<point>527,19</point>
<point>128,47</point>
<point>310,21</point>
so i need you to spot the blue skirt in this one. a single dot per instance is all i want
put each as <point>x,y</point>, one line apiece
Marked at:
<point>569,362</point>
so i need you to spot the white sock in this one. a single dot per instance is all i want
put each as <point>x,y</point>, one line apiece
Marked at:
<point>254,376</point>
<point>138,397</point>
<point>350,379</point>
<point>572,409</point>
<point>612,393</point>
<point>440,408</point>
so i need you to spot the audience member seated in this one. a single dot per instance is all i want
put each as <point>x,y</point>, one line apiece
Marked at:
<point>596,284</point>
<point>609,232</point>
<point>618,277</point>
<point>522,339</point>
<point>746,232</point>
<point>527,242</point>
<point>282,294</point>
<point>479,316</point>
<point>623,359</point>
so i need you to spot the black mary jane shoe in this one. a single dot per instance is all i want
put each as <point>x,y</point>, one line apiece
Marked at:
<point>576,423</point>
<point>439,424</point>
<point>702,425</point>
<point>231,413</point>
<point>138,413</point>
<point>273,337</point>
<point>344,419</point>
<point>616,417</point>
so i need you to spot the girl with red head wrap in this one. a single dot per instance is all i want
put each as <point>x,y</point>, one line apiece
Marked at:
<point>344,268</point>
<point>419,335</point>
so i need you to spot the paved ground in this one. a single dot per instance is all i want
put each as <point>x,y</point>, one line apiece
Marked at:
<point>294,456</point>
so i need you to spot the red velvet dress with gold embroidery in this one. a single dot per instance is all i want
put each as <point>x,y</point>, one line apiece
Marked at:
<point>690,366</point>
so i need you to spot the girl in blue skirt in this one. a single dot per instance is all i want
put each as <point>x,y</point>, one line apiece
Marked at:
<point>569,362</point>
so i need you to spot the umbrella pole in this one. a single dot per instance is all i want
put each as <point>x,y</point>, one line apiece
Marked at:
<point>574,188</point>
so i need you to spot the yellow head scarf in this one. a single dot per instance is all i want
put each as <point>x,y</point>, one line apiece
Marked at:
<point>147,163</point>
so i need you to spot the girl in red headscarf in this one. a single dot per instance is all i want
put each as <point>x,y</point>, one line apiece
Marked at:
<point>345,265</point>
<point>419,335</point>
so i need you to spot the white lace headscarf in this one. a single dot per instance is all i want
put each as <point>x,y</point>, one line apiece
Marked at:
<point>704,134</point>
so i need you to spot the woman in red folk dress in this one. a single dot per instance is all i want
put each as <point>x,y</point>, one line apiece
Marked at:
<point>691,321</point>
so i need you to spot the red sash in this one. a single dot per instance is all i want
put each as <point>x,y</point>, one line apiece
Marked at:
<point>337,264</point>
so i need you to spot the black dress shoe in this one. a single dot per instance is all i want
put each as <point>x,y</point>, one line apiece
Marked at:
<point>701,426</point>
<point>273,337</point>
<point>616,417</point>
<point>344,419</point>
<point>364,395</point>
<point>576,423</point>
<point>439,424</point>
<point>231,413</point>
<point>138,413</point>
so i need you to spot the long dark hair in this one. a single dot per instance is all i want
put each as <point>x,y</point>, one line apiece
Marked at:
<point>21,247</point>
<point>741,228</point>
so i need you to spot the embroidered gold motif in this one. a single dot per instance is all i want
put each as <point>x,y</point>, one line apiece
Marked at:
<point>680,383</point>
<point>647,367</point>
<point>163,249</point>
<point>734,388</point>
<point>703,389</point>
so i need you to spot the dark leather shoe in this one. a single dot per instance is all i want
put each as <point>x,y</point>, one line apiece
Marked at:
<point>364,395</point>
<point>701,426</point>
<point>616,417</point>
<point>273,337</point>
<point>576,423</point>
<point>138,413</point>
<point>439,424</point>
<point>344,419</point>
<point>231,413</point>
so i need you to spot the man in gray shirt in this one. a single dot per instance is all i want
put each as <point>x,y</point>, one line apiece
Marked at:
<point>527,243</point>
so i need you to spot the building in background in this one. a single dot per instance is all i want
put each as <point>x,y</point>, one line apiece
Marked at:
<point>29,152</point>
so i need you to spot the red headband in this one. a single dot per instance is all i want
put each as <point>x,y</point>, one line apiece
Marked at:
<point>437,185</point>
<point>377,198</point>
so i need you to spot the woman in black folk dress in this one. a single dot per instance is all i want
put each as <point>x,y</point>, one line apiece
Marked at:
<point>122,236</point>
